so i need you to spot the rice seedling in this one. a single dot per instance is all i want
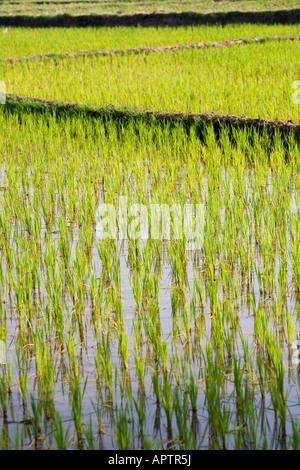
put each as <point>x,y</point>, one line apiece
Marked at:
<point>61,437</point>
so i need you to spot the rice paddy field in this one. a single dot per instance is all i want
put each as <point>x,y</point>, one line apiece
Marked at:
<point>90,7</point>
<point>134,338</point>
<point>20,42</point>
<point>240,80</point>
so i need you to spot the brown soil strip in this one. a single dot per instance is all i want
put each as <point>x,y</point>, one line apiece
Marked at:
<point>154,19</point>
<point>112,111</point>
<point>148,50</point>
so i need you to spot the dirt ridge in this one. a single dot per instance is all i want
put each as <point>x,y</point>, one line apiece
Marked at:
<point>118,112</point>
